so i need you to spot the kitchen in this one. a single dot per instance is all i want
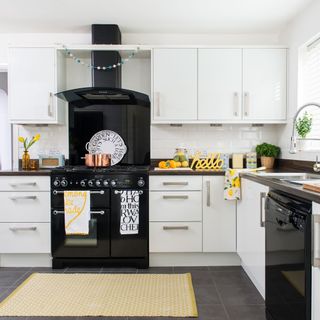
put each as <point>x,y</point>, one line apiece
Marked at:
<point>214,86</point>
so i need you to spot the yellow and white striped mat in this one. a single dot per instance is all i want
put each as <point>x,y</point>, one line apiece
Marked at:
<point>154,295</point>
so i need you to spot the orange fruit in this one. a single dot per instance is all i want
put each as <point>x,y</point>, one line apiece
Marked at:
<point>172,164</point>
<point>162,164</point>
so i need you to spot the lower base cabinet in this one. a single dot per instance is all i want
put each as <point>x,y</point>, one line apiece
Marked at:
<point>251,232</point>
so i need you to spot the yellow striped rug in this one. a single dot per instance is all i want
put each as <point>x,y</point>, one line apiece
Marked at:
<point>131,295</point>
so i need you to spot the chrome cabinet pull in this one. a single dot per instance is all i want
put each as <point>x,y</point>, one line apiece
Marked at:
<point>262,209</point>
<point>13,229</point>
<point>316,240</point>
<point>55,192</point>
<point>157,104</point>
<point>178,183</point>
<point>23,198</point>
<point>246,103</point>
<point>50,109</point>
<point>175,228</point>
<point>208,193</point>
<point>23,184</point>
<point>182,197</point>
<point>101,212</point>
<point>235,104</point>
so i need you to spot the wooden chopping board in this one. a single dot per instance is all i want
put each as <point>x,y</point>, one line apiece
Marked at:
<point>312,187</point>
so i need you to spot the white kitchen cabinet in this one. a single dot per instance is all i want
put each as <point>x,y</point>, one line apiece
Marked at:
<point>219,217</point>
<point>264,84</point>
<point>174,84</point>
<point>315,306</point>
<point>219,84</point>
<point>32,83</point>
<point>251,231</point>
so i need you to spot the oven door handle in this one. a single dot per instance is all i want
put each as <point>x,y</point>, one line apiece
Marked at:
<point>55,192</point>
<point>316,240</point>
<point>101,212</point>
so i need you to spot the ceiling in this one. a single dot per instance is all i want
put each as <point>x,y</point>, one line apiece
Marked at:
<point>149,16</point>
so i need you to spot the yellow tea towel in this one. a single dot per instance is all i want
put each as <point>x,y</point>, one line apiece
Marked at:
<point>77,212</point>
<point>232,186</point>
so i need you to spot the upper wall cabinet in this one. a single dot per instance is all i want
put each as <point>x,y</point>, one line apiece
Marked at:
<point>219,84</point>
<point>264,84</point>
<point>32,76</point>
<point>231,85</point>
<point>174,84</point>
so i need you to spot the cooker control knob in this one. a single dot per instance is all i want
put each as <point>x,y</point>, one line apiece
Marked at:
<point>82,183</point>
<point>106,183</point>
<point>98,183</point>
<point>113,182</point>
<point>141,183</point>
<point>90,183</point>
<point>56,183</point>
<point>64,183</point>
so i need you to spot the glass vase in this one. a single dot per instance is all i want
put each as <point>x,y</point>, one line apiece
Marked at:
<point>25,160</point>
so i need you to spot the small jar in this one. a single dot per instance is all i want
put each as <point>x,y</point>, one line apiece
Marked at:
<point>181,157</point>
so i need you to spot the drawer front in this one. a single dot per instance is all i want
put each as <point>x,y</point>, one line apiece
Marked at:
<point>25,207</point>
<point>25,238</point>
<point>175,183</point>
<point>24,183</point>
<point>175,206</point>
<point>175,236</point>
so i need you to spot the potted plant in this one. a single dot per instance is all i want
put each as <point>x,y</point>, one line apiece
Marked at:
<point>26,145</point>
<point>303,126</point>
<point>267,152</point>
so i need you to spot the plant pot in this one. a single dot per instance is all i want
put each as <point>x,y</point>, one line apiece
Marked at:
<point>25,160</point>
<point>302,145</point>
<point>267,162</point>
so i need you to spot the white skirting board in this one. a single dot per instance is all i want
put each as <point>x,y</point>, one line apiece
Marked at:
<point>25,260</point>
<point>193,259</point>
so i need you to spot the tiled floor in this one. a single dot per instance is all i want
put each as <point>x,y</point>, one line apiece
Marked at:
<point>222,293</point>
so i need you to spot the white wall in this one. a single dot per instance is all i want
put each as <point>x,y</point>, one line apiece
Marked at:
<point>304,27</point>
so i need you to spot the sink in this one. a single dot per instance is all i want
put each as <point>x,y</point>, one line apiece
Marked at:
<point>298,178</point>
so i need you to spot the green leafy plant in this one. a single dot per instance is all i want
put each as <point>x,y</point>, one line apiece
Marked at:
<point>304,125</point>
<point>267,150</point>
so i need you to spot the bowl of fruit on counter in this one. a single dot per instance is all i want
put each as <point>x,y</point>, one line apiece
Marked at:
<point>179,162</point>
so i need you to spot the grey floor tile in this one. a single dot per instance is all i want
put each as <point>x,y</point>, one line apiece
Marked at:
<point>240,295</point>
<point>9,278</point>
<point>47,270</point>
<point>201,278</point>
<point>231,278</point>
<point>246,312</point>
<point>23,269</point>
<point>82,270</point>
<point>119,270</point>
<point>207,295</point>
<point>212,312</point>
<point>189,269</point>
<point>225,268</point>
<point>157,270</point>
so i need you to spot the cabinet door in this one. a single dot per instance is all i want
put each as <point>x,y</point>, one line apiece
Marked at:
<point>264,84</point>
<point>219,84</point>
<point>174,84</point>
<point>219,217</point>
<point>251,232</point>
<point>32,85</point>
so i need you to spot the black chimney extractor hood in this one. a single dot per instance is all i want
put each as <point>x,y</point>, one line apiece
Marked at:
<point>106,84</point>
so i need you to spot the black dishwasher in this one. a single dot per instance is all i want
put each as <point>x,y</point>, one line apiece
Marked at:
<point>288,257</point>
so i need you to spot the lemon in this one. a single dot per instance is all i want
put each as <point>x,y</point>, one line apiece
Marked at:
<point>185,164</point>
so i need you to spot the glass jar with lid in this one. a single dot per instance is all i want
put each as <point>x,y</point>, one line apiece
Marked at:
<point>181,156</point>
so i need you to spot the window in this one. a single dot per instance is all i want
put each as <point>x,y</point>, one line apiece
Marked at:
<point>309,87</point>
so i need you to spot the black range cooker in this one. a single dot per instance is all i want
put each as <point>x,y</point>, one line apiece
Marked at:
<point>115,238</point>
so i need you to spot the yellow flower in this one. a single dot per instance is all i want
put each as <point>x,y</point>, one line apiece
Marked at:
<point>230,192</point>
<point>21,139</point>
<point>37,137</point>
<point>232,172</point>
<point>236,182</point>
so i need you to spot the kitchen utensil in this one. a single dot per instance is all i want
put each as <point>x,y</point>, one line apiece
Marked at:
<point>97,160</point>
<point>89,159</point>
<point>108,142</point>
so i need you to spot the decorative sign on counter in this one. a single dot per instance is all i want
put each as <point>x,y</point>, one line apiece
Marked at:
<point>211,162</point>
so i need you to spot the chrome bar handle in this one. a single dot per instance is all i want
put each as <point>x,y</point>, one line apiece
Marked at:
<point>50,109</point>
<point>182,197</point>
<point>263,196</point>
<point>55,192</point>
<point>177,183</point>
<point>101,212</point>
<point>23,198</point>
<point>175,228</point>
<point>13,229</point>
<point>316,240</point>
<point>235,104</point>
<point>31,184</point>
<point>208,193</point>
<point>246,103</point>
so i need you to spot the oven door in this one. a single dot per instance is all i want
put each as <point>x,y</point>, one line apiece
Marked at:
<point>94,245</point>
<point>129,223</point>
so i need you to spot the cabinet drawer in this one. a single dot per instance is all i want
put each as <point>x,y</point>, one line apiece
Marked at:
<point>175,206</point>
<point>24,183</point>
<point>25,238</point>
<point>175,183</point>
<point>25,207</point>
<point>175,236</point>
